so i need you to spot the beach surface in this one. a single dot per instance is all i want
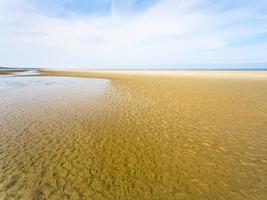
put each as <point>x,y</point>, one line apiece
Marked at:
<point>114,74</point>
<point>134,134</point>
<point>11,71</point>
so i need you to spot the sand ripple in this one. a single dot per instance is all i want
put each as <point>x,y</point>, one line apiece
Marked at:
<point>153,138</point>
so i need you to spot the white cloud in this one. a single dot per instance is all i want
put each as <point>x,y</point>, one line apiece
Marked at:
<point>170,32</point>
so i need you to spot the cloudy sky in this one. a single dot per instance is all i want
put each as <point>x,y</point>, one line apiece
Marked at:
<point>132,33</point>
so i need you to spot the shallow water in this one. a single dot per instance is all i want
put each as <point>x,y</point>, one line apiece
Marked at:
<point>26,73</point>
<point>153,138</point>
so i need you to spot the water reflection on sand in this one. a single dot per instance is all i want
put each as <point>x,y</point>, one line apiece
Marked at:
<point>17,80</point>
<point>153,138</point>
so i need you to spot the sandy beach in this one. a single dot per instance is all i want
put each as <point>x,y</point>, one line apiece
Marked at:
<point>10,71</point>
<point>134,135</point>
<point>111,74</point>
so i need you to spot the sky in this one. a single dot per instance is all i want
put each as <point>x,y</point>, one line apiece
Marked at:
<point>103,34</point>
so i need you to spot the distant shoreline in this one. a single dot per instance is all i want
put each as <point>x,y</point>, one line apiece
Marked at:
<point>140,69</point>
<point>129,74</point>
<point>144,73</point>
<point>11,71</point>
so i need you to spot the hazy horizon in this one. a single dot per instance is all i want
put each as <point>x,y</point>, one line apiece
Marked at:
<point>261,66</point>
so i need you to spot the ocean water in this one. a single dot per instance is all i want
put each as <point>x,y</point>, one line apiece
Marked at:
<point>133,138</point>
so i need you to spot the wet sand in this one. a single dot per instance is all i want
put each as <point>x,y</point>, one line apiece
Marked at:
<point>134,135</point>
<point>11,71</point>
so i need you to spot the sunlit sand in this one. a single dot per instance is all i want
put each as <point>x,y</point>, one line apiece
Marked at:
<point>134,135</point>
<point>10,71</point>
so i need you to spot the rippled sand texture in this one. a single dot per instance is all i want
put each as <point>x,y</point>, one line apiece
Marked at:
<point>135,138</point>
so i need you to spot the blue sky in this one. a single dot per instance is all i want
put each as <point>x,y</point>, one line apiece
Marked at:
<point>133,33</point>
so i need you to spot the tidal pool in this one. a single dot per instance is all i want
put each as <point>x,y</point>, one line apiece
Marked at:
<point>133,138</point>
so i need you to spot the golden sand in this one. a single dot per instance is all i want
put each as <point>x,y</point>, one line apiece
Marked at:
<point>150,135</point>
<point>126,74</point>
<point>10,71</point>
